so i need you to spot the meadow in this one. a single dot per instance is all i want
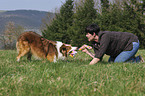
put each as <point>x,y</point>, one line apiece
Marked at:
<point>71,77</point>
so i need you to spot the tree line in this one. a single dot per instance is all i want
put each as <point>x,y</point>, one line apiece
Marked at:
<point>69,24</point>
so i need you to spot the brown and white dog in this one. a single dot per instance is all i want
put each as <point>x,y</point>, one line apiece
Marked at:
<point>31,43</point>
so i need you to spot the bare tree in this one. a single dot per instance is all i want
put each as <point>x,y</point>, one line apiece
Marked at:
<point>10,35</point>
<point>3,41</point>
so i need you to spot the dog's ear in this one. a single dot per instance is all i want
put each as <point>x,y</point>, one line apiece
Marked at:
<point>52,51</point>
<point>52,42</point>
<point>51,48</point>
<point>67,46</point>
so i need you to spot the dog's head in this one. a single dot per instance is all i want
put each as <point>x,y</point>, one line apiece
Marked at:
<point>64,49</point>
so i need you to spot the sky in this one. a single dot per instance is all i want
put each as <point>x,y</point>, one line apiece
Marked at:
<point>41,5</point>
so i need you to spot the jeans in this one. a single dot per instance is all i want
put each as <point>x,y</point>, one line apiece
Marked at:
<point>127,56</point>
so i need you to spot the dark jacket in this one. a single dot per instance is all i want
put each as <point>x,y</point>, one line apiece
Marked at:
<point>113,43</point>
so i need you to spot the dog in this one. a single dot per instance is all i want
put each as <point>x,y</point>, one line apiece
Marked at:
<point>30,43</point>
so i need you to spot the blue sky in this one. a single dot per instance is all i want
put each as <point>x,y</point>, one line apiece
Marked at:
<point>41,5</point>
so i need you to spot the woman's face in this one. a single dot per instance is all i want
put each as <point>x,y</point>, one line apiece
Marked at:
<point>90,37</point>
<point>93,37</point>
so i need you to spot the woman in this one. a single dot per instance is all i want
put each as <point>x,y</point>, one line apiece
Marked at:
<point>121,46</point>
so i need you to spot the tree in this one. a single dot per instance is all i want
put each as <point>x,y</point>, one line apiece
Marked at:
<point>134,20</point>
<point>10,35</point>
<point>105,5</point>
<point>57,30</point>
<point>124,17</point>
<point>85,15</point>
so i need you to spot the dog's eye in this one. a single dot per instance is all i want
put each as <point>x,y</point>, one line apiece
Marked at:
<point>63,48</point>
<point>70,51</point>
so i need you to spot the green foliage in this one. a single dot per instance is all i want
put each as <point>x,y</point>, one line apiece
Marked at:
<point>57,30</point>
<point>72,77</point>
<point>105,5</point>
<point>85,15</point>
<point>125,16</point>
<point>110,20</point>
<point>133,21</point>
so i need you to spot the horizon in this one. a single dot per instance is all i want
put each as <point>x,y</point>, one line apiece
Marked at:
<point>24,9</point>
<point>43,5</point>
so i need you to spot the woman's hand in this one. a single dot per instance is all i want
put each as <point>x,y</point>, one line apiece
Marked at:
<point>85,50</point>
<point>83,47</point>
<point>94,61</point>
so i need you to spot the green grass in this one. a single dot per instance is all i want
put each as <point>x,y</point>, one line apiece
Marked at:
<point>72,77</point>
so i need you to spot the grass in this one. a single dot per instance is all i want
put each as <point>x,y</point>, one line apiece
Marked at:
<point>72,77</point>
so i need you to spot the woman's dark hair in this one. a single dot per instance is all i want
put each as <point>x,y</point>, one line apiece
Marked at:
<point>93,28</point>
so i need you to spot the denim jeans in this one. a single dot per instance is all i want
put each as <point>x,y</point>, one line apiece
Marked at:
<point>127,56</point>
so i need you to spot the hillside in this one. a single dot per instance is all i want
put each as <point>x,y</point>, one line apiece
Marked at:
<point>29,19</point>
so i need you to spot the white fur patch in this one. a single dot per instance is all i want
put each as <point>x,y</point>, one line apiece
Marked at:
<point>18,60</point>
<point>60,55</point>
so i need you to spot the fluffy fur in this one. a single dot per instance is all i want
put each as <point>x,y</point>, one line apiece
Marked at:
<point>31,43</point>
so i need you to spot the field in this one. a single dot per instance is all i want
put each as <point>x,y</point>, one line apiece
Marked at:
<point>72,77</point>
